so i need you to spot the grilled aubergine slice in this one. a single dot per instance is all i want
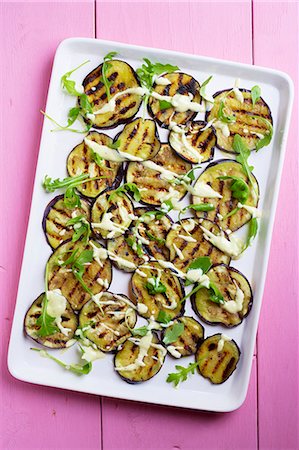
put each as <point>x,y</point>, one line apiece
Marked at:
<point>142,357</point>
<point>107,322</point>
<point>139,139</point>
<point>152,183</point>
<point>110,215</point>
<point>215,363</point>
<point>56,340</point>
<point>61,277</point>
<point>186,243</point>
<point>154,231</point>
<point>123,77</point>
<point>251,128</point>
<point>126,258</point>
<point>168,300</point>
<point>55,218</point>
<point>226,204</point>
<point>237,297</point>
<point>195,144</point>
<point>180,83</point>
<point>80,160</point>
<point>187,343</point>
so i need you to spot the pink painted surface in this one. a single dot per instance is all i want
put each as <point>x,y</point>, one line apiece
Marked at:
<point>36,417</point>
<point>32,416</point>
<point>278,330</point>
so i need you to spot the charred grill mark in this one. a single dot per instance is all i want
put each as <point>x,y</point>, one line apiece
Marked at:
<point>113,76</point>
<point>127,108</point>
<point>221,357</point>
<point>228,368</point>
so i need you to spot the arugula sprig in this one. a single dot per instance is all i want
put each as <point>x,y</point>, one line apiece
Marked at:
<point>135,246</point>
<point>267,137</point>
<point>222,116</point>
<point>182,373</point>
<point>73,115</point>
<point>45,322</point>
<point>239,187</point>
<point>155,287</point>
<point>197,207</point>
<point>70,85</point>
<point>202,90</point>
<point>164,104</point>
<point>71,198</point>
<point>203,263</point>
<point>173,333</point>
<point>104,78</point>
<point>252,232</point>
<point>214,294</point>
<point>163,317</point>
<point>81,228</point>
<point>154,238</point>
<point>255,94</point>
<point>147,72</point>
<point>243,154</point>
<point>127,187</point>
<point>78,369</point>
<point>77,262</point>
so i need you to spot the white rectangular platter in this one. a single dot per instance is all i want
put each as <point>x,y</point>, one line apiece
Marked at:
<point>196,392</point>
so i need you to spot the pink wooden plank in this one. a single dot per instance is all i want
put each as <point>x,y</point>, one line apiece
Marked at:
<point>32,416</point>
<point>186,27</point>
<point>147,427</point>
<point>276,45</point>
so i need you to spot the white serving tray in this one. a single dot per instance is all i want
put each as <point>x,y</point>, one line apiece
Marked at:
<point>196,392</point>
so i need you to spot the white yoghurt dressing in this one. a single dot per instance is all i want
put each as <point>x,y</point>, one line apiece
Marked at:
<point>56,306</point>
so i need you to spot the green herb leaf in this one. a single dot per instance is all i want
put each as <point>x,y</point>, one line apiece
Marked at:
<point>164,104</point>
<point>75,368</point>
<point>71,199</point>
<point>71,119</point>
<point>252,232</point>
<point>77,265</point>
<point>147,71</point>
<point>239,188</point>
<point>222,116</point>
<point>45,322</point>
<point>203,263</point>
<point>115,145</point>
<point>181,374</point>
<point>142,331</point>
<point>104,78</point>
<point>267,137</point>
<point>233,211</point>
<point>50,185</point>
<point>96,158</point>
<point>202,90</point>
<point>255,94</point>
<point>173,333</point>
<point>202,207</point>
<point>243,154</point>
<point>127,187</point>
<point>154,238</point>
<point>135,246</point>
<point>163,317</point>
<point>69,85</point>
<point>85,105</point>
<point>215,295</point>
<point>81,228</point>
<point>156,287</point>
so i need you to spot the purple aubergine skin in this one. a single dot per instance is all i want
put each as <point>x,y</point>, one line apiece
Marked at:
<point>200,122</point>
<point>48,209</point>
<point>156,134</point>
<point>141,381</point>
<point>39,341</point>
<point>135,296</point>
<point>239,351</point>
<point>90,78</point>
<point>192,91</point>
<point>224,160</point>
<point>208,112</point>
<point>116,183</point>
<point>200,341</point>
<point>193,303</point>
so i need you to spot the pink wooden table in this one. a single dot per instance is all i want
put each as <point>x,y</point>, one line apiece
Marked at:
<point>33,417</point>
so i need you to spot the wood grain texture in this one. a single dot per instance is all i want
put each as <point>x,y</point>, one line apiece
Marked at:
<point>164,24</point>
<point>276,45</point>
<point>32,417</point>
